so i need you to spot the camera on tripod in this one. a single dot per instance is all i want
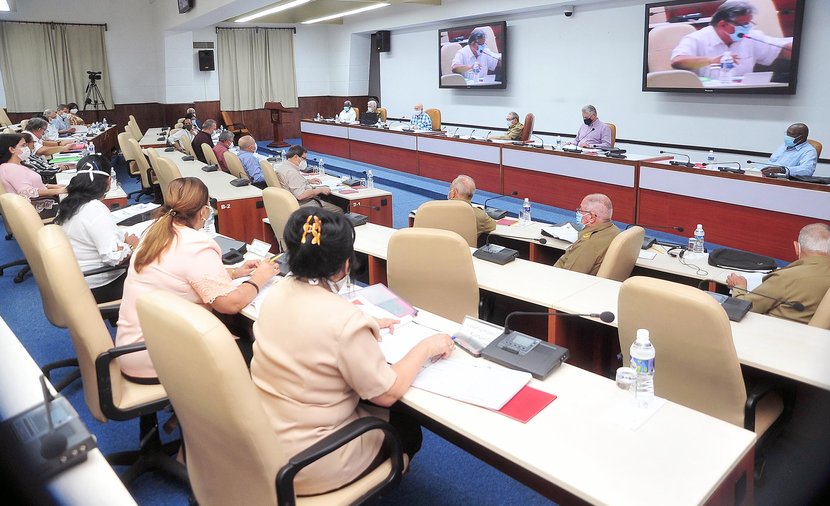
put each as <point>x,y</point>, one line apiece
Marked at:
<point>93,76</point>
<point>93,97</point>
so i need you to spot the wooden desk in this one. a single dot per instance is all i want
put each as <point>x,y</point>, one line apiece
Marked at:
<point>372,202</point>
<point>90,482</point>
<point>240,209</point>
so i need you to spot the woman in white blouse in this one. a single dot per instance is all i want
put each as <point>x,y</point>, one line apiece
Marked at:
<point>92,231</point>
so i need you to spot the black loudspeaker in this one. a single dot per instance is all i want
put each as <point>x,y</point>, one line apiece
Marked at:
<point>206,60</point>
<point>383,42</point>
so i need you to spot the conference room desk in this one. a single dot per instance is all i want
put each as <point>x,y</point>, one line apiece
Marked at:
<point>372,202</point>
<point>105,141</point>
<point>744,211</point>
<point>151,138</point>
<point>114,199</point>
<point>240,208</point>
<point>88,483</point>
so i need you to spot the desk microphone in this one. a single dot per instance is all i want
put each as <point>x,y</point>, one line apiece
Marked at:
<point>739,170</point>
<point>53,443</point>
<point>797,305</point>
<point>497,212</point>
<point>688,163</point>
<point>606,316</point>
<point>576,141</point>
<point>487,137</point>
<point>471,133</point>
<point>541,142</point>
<point>540,240</point>
<point>746,36</point>
<point>491,55</point>
<point>455,133</point>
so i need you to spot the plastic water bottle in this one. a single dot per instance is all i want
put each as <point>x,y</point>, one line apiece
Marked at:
<point>104,124</point>
<point>113,179</point>
<point>210,224</point>
<point>700,237</point>
<point>711,157</point>
<point>321,169</point>
<point>558,142</point>
<point>642,361</point>
<point>524,219</point>
<point>727,67</point>
<point>476,71</point>
<point>370,179</point>
<point>91,147</point>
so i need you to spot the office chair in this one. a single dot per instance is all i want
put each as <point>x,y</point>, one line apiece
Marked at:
<point>382,114</point>
<point>148,177</point>
<point>269,173</point>
<point>237,129</point>
<point>137,133</point>
<point>235,166</point>
<point>661,42</point>
<point>14,263</point>
<point>233,456</point>
<point>433,270</point>
<point>697,363</point>
<point>108,395</point>
<point>816,144</point>
<point>622,254</point>
<point>821,318</point>
<point>673,79</point>
<point>4,118</point>
<point>448,52</point>
<point>527,129</point>
<point>613,129</point>
<point>435,116</point>
<point>453,80</point>
<point>492,43</point>
<point>187,144</point>
<point>210,156</point>
<point>455,215</point>
<point>279,204</point>
<point>167,172</point>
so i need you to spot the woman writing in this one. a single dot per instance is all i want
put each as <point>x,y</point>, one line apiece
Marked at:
<point>316,355</point>
<point>174,254</point>
<point>92,232</point>
<point>21,180</point>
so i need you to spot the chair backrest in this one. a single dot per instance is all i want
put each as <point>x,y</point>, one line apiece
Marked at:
<point>696,365</point>
<point>492,43</point>
<point>187,144</point>
<point>661,42</point>
<point>433,269</point>
<point>613,128</point>
<point>673,79</point>
<point>167,171</point>
<point>126,150</point>
<point>154,158</point>
<point>816,144</point>
<point>622,254</point>
<point>455,215</point>
<point>356,113</point>
<point>4,118</point>
<point>141,162</point>
<point>382,113</point>
<point>821,318</point>
<point>235,166</point>
<point>447,54</point>
<point>453,80</point>
<point>435,116</point>
<point>279,204</point>
<point>232,453</point>
<point>137,133</point>
<point>22,220</point>
<point>88,330</point>
<point>210,156</point>
<point>269,173</point>
<point>527,129</point>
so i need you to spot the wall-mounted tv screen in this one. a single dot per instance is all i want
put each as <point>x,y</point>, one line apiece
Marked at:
<point>473,56</point>
<point>723,46</point>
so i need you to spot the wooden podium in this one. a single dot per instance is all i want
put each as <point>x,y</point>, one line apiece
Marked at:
<point>276,108</point>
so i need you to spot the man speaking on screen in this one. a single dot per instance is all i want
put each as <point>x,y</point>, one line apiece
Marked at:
<point>475,60</point>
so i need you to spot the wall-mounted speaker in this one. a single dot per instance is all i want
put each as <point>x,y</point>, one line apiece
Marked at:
<point>206,60</point>
<point>383,43</point>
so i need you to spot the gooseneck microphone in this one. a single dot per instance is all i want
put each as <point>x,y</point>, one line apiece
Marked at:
<point>746,36</point>
<point>53,443</point>
<point>676,228</point>
<point>688,163</point>
<point>540,240</point>
<point>739,170</point>
<point>491,55</point>
<point>797,305</point>
<point>487,137</point>
<point>606,316</point>
<point>472,132</point>
<point>577,139</point>
<point>511,194</point>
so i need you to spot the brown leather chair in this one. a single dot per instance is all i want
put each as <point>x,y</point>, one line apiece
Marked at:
<point>821,318</point>
<point>382,114</point>
<point>433,270</point>
<point>816,144</point>
<point>435,116</point>
<point>673,79</point>
<point>622,254</point>
<point>279,204</point>
<point>237,129</point>
<point>613,129</point>
<point>455,215</point>
<point>233,456</point>
<point>527,129</point>
<point>661,42</point>
<point>187,144</point>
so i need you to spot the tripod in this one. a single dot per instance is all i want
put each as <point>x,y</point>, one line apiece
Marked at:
<point>93,95</point>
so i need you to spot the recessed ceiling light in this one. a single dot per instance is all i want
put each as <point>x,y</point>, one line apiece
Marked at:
<point>347,13</point>
<point>272,10</point>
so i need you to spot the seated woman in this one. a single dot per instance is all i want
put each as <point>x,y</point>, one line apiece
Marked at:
<point>174,254</point>
<point>305,330</point>
<point>74,119</point>
<point>21,180</point>
<point>92,232</point>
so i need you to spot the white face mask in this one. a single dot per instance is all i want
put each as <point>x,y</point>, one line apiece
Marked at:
<point>418,111</point>
<point>25,153</point>
<point>73,111</point>
<point>303,165</point>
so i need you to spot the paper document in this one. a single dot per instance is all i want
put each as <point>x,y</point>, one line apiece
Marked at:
<point>396,345</point>
<point>256,304</point>
<point>475,382</point>
<point>130,211</point>
<point>646,254</point>
<point>566,232</point>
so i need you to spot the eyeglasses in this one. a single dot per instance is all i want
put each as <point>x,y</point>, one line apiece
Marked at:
<point>749,25</point>
<point>583,211</point>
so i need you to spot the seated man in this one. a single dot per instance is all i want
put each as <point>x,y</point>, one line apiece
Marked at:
<point>474,61</point>
<point>191,113</point>
<point>806,280</point>
<point>593,218</point>
<point>52,133</point>
<point>420,120</point>
<point>61,121</point>
<point>372,106</point>
<point>514,128</point>
<point>796,157</point>
<point>205,136</point>
<point>347,115</point>
<point>463,188</point>
<point>291,179</point>
<point>37,127</point>
<point>225,143</point>
<point>593,133</point>
<point>247,148</point>
<point>174,139</point>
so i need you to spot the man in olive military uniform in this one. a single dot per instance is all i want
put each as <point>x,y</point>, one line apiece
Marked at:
<point>463,188</point>
<point>594,219</point>
<point>514,129</point>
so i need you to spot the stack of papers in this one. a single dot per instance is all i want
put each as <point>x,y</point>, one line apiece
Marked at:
<point>475,382</point>
<point>566,232</point>
<point>130,211</point>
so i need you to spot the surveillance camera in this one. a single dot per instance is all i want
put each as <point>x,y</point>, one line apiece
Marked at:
<point>568,10</point>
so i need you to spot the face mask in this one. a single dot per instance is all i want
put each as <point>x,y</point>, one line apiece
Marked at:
<point>587,121</point>
<point>346,108</point>
<point>789,141</point>
<point>739,31</point>
<point>25,153</point>
<point>303,165</point>
<point>579,224</point>
<point>74,111</point>
<point>231,145</point>
<point>337,286</point>
<point>418,111</point>
<point>482,48</point>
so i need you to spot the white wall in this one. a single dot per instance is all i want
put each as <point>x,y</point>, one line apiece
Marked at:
<point>312,60</point>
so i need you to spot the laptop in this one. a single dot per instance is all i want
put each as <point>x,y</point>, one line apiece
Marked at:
<point>369,118</point>
<point>735,309</point>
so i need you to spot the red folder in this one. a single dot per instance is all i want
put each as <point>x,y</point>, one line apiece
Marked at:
<point>526,404</point>
<point>507,221</point>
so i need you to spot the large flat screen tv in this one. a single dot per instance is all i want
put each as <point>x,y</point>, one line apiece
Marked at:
<point>473,56</point>
<point>689,45</point>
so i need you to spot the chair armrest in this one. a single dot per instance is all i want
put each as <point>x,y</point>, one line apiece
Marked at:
<point>285,476</point>
<point>104,380</point>
<point>105,268</point>
<point>755,391</point>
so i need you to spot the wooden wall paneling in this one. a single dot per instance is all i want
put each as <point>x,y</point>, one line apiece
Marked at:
<point>446,168</point>
<point>385,156</point>
<point>326,145</point>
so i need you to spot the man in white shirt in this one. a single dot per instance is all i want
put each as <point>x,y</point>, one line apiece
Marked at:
<point>731,29</point>
<point>474,61</point>
<point>347,115</point>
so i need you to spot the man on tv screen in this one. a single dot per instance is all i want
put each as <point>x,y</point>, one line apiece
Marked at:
<point>730,30</point>
<point>474,61</point>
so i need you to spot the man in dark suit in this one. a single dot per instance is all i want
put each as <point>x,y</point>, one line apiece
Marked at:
<point>204,137</point>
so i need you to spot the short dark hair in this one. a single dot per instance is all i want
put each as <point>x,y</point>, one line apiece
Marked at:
<point>36,123</point>
<point>82,189</point>
<point>322,260</point>
<point>8,141</point>
<point>731,10</point>
<point>295,150</point>
<point>476,35</point>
